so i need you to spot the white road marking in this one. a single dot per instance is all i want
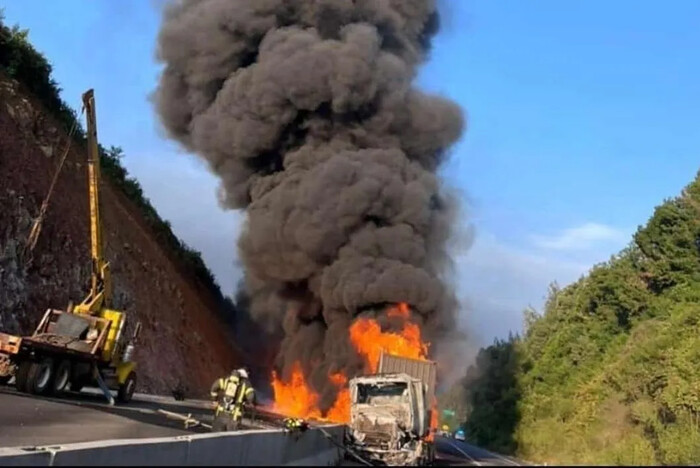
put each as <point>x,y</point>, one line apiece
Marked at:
<point>508,460</point>
<point>463,453</point>
<point>505,459</point>
<point>494,455</point>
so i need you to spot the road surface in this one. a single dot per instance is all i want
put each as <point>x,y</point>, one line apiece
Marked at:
<point>452,452</point>
<point>28,420</point>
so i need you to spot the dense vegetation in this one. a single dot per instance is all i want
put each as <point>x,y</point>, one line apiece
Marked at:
<point>19,60</point>
<point>610,373</point>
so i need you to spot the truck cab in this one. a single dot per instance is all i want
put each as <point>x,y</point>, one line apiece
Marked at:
<point>390,419</point>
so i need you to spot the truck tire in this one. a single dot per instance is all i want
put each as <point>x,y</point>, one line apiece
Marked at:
<point>7,369</point>
<point>126,390</point>
<point>22,375</point>
<point>40,377</point>
<point>61,377</point>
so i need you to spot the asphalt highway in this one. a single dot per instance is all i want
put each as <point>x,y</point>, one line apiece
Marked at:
<point>34,421</point>
<point>452,452</point>
<point>28,420</point>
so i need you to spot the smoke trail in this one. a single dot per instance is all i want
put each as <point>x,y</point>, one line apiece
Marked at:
<point>305,110</point>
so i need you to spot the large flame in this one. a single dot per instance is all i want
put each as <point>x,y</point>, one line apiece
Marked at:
<point>295,397</point>
<point>369,340</point>
<point>340,411</point>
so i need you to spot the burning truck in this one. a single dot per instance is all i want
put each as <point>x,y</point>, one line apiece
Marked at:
<point>391,415</point>
<point>390,407</point>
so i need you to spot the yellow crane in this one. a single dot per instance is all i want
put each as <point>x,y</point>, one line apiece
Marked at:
<point>86,343</point>
<point>100,295</point>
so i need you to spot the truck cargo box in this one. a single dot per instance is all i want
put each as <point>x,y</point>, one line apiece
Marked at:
<point>426,371</point>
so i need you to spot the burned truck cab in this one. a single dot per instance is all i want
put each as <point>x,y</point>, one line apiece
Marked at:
<point>389,419</point>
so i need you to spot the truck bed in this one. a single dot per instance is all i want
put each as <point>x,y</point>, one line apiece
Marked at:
<point>60,345</point>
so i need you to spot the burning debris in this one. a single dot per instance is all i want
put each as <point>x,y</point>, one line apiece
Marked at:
<point>305,110</point>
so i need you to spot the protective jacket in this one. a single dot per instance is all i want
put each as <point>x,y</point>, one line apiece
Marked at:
<point>231,393</point>
<point>295,424</point>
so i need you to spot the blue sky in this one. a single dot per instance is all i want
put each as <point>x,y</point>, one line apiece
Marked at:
<point>582,117</point>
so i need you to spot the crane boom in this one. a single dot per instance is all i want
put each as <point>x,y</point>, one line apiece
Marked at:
<point>70,350</point>
<point>101,286</point>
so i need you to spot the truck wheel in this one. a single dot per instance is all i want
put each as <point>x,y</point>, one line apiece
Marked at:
<point>126,390</point>
<point>7,369</point>
<point>61,377</point>
<point>22,375</point>
<point>40,377</point>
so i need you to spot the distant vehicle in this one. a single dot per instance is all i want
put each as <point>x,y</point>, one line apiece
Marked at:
<point>459,435</point>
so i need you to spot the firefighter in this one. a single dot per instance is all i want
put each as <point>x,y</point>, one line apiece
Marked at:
<point>231,393</point>
<point>295,424</point>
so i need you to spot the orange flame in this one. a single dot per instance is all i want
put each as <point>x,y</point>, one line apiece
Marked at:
<point>340,411</point>
<point>369,340</point>
<point>401,310</point>
<point>296,398</point>
<point>433,420</point>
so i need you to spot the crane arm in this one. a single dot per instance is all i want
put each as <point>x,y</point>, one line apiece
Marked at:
<point>101,286</point>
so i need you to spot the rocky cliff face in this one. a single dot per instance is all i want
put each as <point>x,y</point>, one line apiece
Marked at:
<point>182,343</point>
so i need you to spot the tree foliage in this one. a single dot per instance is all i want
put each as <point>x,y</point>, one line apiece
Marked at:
<point>492,390</point>
<point>610,372</point>
<point>19,60</point>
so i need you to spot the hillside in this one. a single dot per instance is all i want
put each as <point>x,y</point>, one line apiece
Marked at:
<point>610,373</point>
<point>185,340</point>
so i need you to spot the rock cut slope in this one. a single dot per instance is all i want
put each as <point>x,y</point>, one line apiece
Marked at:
<point>183,342</point>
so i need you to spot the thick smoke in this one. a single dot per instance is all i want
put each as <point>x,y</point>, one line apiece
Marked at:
<point>305,110</point>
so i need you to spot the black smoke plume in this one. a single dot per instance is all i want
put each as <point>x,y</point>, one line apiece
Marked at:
<point>305,110</point>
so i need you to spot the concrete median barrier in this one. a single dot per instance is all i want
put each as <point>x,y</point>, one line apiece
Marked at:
<point>267,447</point>
<point>25,457</point>
<point>153,452</point>
<point>243,448</point>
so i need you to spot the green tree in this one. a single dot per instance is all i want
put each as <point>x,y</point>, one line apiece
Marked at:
<point>609,373</point>
<point>492,392</point>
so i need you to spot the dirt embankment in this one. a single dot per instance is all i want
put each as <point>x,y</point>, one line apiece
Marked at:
<point>182,342</point>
